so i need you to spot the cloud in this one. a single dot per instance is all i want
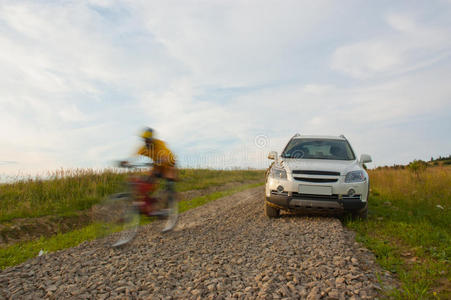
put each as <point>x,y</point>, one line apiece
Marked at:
<point>402,23</point>
<point>409,47</point>
<point>5,162</point>
<point>80,78</point>
<point>233,43</point>
<point>72,114</point>
<point>318,88</point>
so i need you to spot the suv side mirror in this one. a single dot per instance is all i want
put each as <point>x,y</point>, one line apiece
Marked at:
<point>272,155</point>
<point>365,158</point>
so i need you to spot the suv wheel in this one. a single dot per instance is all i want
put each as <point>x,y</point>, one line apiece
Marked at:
<point>271,211</point>
<point>361,214</point>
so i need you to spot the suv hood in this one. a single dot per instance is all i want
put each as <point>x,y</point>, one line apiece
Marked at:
<point>342,166</point>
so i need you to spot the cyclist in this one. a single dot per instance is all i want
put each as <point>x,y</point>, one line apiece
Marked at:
<point>162,157</point>
<point>163,162</point>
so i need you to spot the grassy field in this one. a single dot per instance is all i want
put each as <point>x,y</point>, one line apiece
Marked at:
<point>74,190</point>
<point>409,228</point>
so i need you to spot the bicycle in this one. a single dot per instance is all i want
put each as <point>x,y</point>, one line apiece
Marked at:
<point>123,212</point>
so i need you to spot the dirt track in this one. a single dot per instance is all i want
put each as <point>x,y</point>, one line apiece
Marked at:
<point>27,229</point>
<point>226,248</point>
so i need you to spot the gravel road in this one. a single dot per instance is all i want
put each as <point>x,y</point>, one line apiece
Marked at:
<point>226,248</point>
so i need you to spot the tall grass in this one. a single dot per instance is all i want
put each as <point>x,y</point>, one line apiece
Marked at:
<point>64,192</point>
<point>194,179</point>
<point>428,187</point>
<point>409,228</point>
<point>67,191</point>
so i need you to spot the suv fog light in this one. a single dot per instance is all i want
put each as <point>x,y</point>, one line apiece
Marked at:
<point>280,189</point>
<point>351,192</point>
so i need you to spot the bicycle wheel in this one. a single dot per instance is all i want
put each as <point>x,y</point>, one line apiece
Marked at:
<point>118,215</point>
<point>128,227</point>
<point>172,212</point>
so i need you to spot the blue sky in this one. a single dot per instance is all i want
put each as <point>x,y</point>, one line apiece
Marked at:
<point>223,82</point>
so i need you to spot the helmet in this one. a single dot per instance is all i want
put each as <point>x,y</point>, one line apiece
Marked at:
<point>147,133</point>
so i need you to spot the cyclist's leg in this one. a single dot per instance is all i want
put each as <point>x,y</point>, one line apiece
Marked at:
<point>170,191</point>
<point>170,175</point>
<point>171,201</point>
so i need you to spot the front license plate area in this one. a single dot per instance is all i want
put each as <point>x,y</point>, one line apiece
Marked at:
<point>315,189</point>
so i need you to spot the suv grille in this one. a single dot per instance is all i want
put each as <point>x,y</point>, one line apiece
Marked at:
<point>353,197</point>
<point>310,172</point>
<point>273,192</point>
<point>316,179</point>
<point>315,197</point>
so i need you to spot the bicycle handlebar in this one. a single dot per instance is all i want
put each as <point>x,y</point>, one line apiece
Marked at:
<point>127,165</point>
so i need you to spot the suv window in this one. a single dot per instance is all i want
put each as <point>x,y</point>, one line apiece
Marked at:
<point>318,149</point>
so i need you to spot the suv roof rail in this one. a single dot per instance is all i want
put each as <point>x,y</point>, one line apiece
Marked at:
<point>297,134</point>
<point>342,136</point>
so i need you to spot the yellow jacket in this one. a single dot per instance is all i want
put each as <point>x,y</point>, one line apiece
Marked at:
<point>159,153</point>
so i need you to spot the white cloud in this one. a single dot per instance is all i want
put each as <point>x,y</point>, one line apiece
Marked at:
<point>179,117</point>
<point>233,43</point>
<point>80,77</point>
<point>409,47</point>
<point>72,114</point>
<point>364,59</point>
<point>402,23</point>
<point>318,88</point>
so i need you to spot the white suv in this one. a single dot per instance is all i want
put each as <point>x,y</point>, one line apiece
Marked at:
<point>317,173</point>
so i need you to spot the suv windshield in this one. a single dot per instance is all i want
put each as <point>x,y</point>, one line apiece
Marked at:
<point>318,149</point>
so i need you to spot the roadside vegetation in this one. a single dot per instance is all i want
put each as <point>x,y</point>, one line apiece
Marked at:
<point>409,227</point>
<point>68,193</point>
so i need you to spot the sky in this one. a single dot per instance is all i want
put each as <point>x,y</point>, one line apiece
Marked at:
<point>222,82</point>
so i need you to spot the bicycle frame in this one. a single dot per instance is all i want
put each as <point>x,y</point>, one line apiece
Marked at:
<point>142,188</point>
<point>140,199</point>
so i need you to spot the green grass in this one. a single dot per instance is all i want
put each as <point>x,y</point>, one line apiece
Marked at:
<point>66,192</point>
<point>195,179</point>
<point>198,201</point>
<point>69,191</point>
<point>408,233</point>
<point>18,253</point>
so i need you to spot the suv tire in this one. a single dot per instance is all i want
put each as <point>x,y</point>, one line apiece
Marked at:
<point>361,214</point>
<point>271,212</point>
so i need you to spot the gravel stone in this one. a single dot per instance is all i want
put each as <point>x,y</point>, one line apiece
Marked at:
<point>224,249</point>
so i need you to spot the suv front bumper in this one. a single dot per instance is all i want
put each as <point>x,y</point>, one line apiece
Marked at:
<point>304,202</point>
<point>289,198</point>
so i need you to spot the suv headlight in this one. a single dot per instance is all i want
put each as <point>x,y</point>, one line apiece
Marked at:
<point>278,172</point>
<point>355,176</point>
